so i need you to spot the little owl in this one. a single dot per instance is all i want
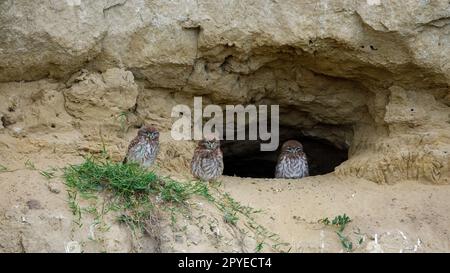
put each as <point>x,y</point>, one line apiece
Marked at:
<point>144,148</point>
<point>207,162</point>
<point>292,162</point>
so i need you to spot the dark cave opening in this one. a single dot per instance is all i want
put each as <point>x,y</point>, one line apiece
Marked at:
<point>243,158</point>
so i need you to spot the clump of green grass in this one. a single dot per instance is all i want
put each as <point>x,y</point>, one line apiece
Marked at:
<point>123,179</point>
<point>340,222</point>
<point>174,191</point>
<point>131,187</point>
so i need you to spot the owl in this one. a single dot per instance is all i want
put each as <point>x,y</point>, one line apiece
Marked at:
<point>292,162</point>
<point>207,162</point>
<point>144,148</point>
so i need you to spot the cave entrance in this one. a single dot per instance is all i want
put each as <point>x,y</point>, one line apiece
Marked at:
<point>243,158</point>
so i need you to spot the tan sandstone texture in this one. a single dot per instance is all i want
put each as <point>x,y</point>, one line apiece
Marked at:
<point>369,76</point>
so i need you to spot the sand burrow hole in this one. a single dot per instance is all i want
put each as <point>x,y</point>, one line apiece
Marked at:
<point>244,158</point>
<point>320,108</point>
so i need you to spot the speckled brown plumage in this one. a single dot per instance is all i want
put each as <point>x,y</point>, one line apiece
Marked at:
<point>144,148</point>
<point>207,162</point>
<point>292,162</point>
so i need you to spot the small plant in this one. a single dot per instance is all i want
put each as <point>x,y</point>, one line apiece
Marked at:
<point>325,221</point>
<point>174,191</point>
<point>201,189</point>
<point>30,165</point>
<point>3,168</point>
<point>73,205</point>
<point>361,240</point>
<point>47,174</point>
<point>340,222</point>
<point>232,210</point>
<point>123,122</point>
<point>230,218</point>
<point>345,242</point>
<point>259,247</point>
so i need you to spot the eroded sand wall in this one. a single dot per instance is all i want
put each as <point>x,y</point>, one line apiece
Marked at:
<point>369,75</point>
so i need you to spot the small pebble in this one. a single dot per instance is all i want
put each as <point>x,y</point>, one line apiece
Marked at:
<point>53,188</point>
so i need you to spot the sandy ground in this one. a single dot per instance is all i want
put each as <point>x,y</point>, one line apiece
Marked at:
<point>406,217</point>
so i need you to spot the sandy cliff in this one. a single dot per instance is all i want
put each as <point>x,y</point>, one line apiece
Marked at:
<point>368,77</point>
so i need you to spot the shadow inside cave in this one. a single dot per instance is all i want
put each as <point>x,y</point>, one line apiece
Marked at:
<point>243,158</point>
